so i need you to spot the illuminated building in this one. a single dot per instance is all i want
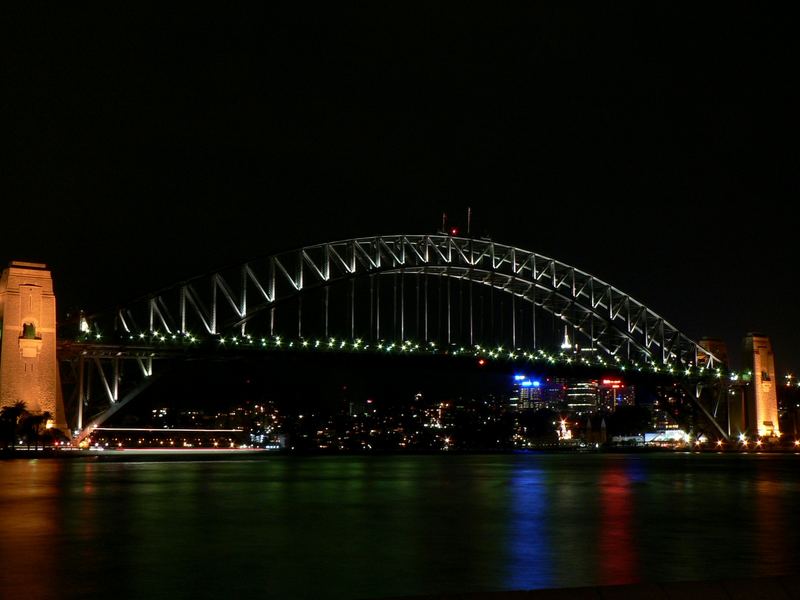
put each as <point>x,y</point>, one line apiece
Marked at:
<point>553,392</point>
<point>566,344</point>
<point>581,396</point>
<point>613,393</point>
<point>527,393</point>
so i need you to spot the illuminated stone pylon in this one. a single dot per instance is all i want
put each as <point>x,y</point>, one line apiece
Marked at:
<point>761,403</point>
<point>28,365</point>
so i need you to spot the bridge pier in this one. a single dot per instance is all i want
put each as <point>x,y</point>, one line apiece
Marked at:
<point>761,400</point>
<point>28,364</point>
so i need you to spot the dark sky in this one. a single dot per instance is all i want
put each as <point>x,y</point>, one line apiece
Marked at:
<point>656,148</point>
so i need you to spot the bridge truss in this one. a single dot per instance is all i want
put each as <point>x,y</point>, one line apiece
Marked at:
<point>387,286</point>
<point>433,289</point>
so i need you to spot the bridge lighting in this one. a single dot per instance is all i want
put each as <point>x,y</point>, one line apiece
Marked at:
<point>454,231</point>
<point>743,438</point>
<point>719,442</point>
<point>305,343</point>
<point>481,362</point>
<point>141,335</point>
<point>797,443</point>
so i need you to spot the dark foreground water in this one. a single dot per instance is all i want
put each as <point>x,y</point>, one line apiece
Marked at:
<point>354,527</point>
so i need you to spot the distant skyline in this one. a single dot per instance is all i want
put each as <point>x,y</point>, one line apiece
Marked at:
<point>652,148</point>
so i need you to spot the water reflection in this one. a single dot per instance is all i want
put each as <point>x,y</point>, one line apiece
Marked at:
<point>344,527</point>
<point>529,547</point>
<point>29,526</point>
<point>617,551</point>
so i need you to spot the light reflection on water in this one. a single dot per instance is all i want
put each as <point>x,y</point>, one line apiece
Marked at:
<point>344,527</point>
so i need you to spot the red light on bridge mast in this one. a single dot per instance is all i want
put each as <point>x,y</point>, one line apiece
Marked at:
<point>481,361</point>
<point>454,231</point>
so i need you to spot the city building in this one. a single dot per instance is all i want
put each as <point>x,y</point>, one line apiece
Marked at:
<point>581,395</point>
<point>613,393</point>
<point>527,394</point>
<point>553,392</point>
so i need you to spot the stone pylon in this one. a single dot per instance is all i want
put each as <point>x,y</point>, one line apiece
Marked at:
<point>761,399</point>
<point>28,364</point>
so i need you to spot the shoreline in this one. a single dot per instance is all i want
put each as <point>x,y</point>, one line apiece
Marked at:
<point>260,453</point>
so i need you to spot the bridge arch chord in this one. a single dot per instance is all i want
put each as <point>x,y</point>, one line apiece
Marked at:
<point>226,301</point>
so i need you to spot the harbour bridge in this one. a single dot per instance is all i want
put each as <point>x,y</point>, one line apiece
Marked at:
<point>439,294</point>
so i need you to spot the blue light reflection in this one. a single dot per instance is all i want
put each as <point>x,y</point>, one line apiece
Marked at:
<point>529,562</point>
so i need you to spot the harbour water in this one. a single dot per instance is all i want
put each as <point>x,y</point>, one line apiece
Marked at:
<point>372,527</point>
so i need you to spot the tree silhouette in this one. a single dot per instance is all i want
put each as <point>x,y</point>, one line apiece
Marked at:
<point>11,419</point>
<point>32,426</point>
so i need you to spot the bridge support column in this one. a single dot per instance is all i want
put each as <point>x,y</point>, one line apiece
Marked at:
<point>762,400</point>
<point>28,366</point>
<point>81,391</point>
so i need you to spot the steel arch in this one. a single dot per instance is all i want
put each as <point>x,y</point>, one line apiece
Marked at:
<point>609,318</point>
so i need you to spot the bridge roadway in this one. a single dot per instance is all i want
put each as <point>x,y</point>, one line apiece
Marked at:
<point>785,587</point>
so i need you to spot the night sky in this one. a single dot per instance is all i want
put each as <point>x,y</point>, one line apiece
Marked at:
<point>655,148</point>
